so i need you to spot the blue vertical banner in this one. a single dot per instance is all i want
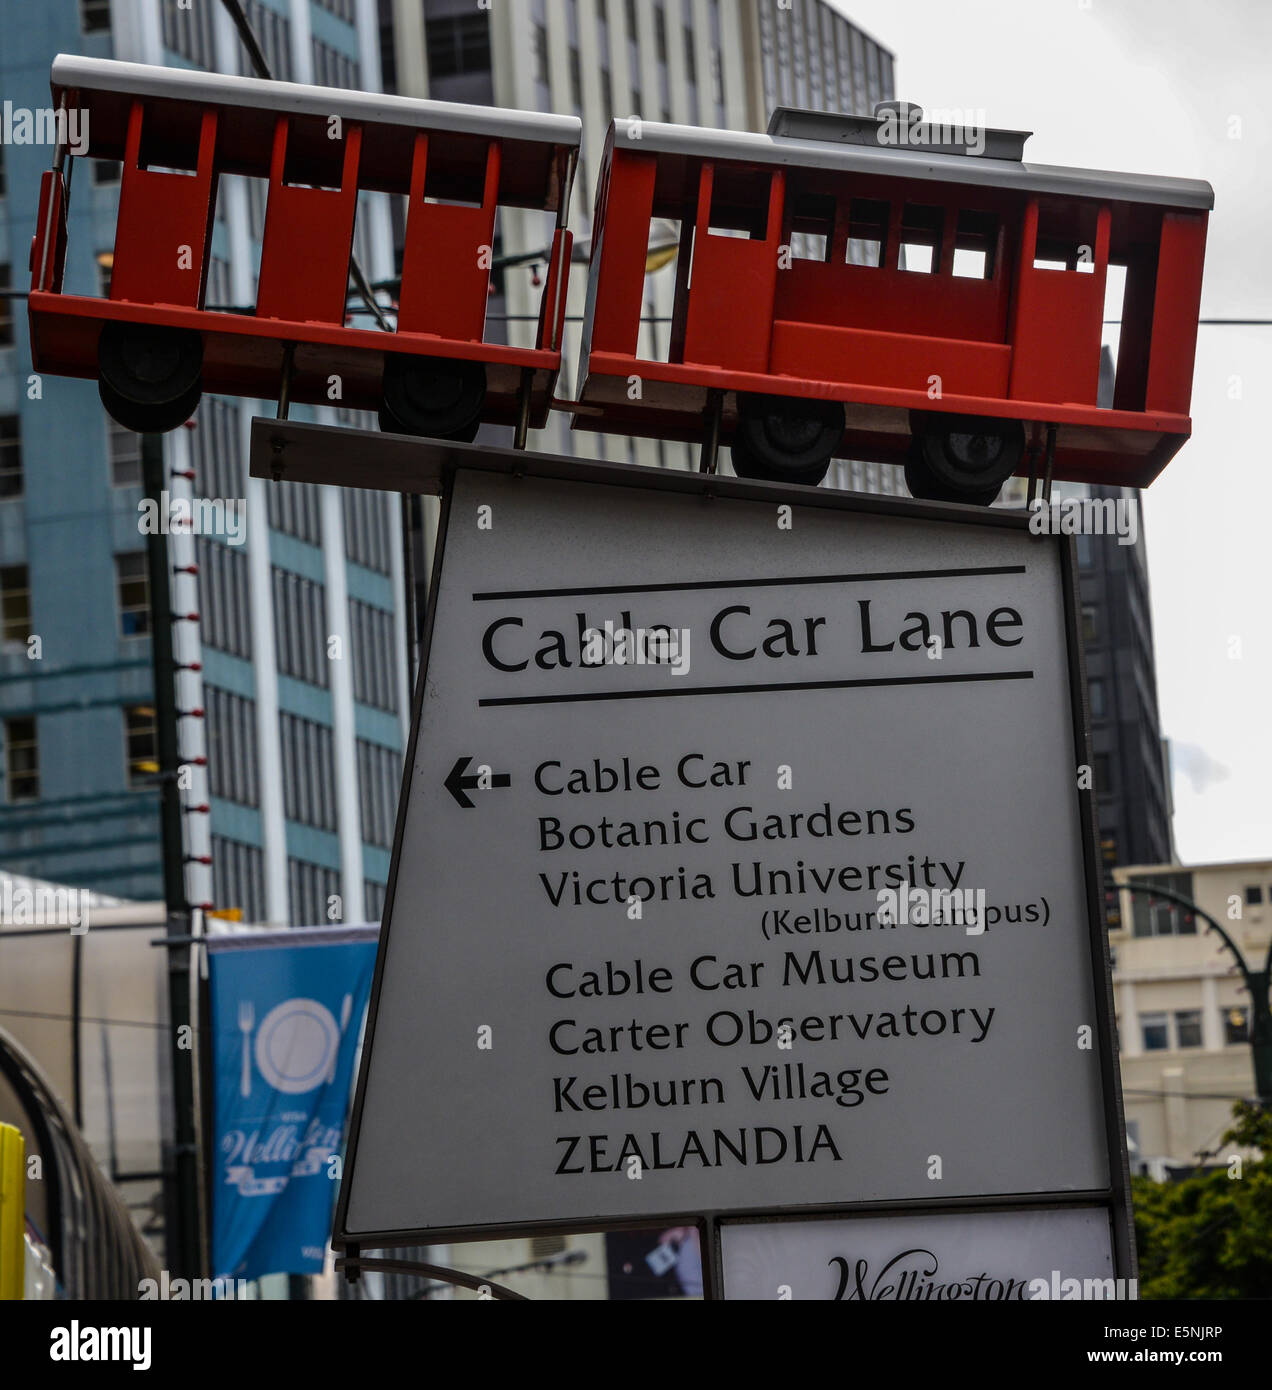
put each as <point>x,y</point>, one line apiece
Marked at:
<point>287,1010</point>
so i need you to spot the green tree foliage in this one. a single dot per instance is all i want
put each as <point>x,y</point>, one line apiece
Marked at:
<point>1210,1236</point>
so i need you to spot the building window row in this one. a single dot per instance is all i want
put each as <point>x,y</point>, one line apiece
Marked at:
<point>225,606</point>
<point>1181,1029</point>
<point>311,887</point>
<point>132,592</point>
<point>273,33</point>
<point>22,752</point>
<point>187,30</point>
<point>295,509</point>
<point>379,781</point>
<point>215,452</point>
<point>342,9</point>
<point>309,779</point>
<point>373,900</point>
<point>233,769</point>
<point>334,69</point>
<point>238,877</point>
<point>300,627</point>
<point>372,652</point>
<point>368,529</point>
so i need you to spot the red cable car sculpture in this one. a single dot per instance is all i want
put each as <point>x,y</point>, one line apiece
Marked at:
<point>860,287</point>
<point>155,345</point>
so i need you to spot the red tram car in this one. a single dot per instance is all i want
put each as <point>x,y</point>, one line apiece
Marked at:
<point>155,344</point>
<point>867,287</point>
<point>925,300</point>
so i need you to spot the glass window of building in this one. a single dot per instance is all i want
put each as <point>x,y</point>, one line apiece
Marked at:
<point>95,16</point>
<point>125,454</point>
<point>6,306</point>
<point>141,745</point>
<point>1155,1032</point>
<point>15,603</point>
<point>231,742</point>
<point>1236,1025</point>
<point>132,584</point>
<point>238,877</point>
<point>10,456</point>
<point>21,760</point>
<point>1160,916</point>
<point>1187,1027</point>
<point>458,43</point>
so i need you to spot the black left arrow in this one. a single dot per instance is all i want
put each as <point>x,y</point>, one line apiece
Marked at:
<point>459,785</point>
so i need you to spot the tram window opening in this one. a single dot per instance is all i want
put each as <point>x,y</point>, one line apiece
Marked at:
<point>867,231</point>
<point>1066,238</point>
<point>740,203</point>
<point>455,185</point>
<point>303,169</point>
<point>921,229</point>
<point>664,273</point>
<point>1114,308</point>
<point>812,227</point>
<point>168,145</point>
<point>975,241</point>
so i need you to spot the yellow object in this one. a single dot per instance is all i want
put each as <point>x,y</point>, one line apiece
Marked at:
<point>12,1212</point>
<point>659,257</point>
<point>228,914</point>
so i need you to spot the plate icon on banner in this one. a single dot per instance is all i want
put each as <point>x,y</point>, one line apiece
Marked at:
<point>296,1044</point>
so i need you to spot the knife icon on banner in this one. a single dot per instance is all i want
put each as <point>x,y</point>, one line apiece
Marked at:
<point>459,785</point>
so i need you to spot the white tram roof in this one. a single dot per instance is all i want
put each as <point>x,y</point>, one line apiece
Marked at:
<point>531,142</point>
<point>826,141</point>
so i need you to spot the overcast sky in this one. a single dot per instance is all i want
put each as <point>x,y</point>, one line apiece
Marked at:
<point>1161,87</point>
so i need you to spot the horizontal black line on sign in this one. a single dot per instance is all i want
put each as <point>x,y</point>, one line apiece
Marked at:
<point>752,689</point>
<point>584,591</point>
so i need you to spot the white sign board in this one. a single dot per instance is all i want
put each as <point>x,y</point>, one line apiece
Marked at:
<point>787,911</point>
<point>1001,1256</point>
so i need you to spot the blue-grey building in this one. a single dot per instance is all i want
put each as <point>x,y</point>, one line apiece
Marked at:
<point>299,640</point>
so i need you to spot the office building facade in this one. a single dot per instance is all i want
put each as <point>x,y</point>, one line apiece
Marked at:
<point>300,631</point>
<point>1183,1011</point>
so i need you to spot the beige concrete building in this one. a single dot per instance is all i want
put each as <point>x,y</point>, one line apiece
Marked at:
<point>1182,1006</point>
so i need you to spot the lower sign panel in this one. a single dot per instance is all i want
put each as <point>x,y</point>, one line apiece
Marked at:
<point>965,1256</point>
<point>741,869</point>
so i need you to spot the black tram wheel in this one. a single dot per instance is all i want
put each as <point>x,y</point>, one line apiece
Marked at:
<point>924,484</point>
<point>786,440</point>
<point>433,396</point>
<point>149,378</point>
<point>149,419</point>
<point>390,424</point>
<point>970,457</point>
